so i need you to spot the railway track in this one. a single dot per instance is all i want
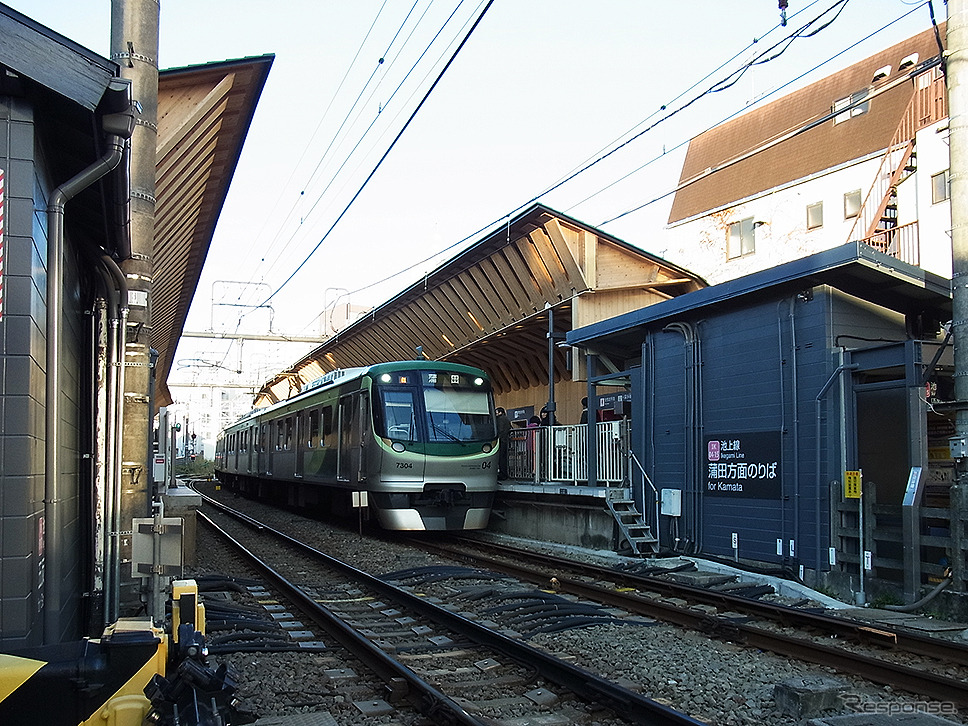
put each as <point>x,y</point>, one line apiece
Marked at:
<point>450,666</point>
<point>936,667</point>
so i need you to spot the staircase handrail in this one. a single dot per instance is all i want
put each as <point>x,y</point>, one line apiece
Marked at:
<point>633,458</point>
<point>912,120</point>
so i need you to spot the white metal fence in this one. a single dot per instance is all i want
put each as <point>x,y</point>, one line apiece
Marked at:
<point>559,453</point>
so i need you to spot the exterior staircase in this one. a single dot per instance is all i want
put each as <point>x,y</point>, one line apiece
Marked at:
<point>877,222</point>
<point>632,525</point>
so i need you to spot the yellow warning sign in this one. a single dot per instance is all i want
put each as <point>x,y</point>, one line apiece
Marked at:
<point>852,485</point>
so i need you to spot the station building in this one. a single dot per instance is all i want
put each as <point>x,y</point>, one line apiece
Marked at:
<point>752,398</point>
<point>860,156</point>
<point>820,219</point>
<point>66,118</point>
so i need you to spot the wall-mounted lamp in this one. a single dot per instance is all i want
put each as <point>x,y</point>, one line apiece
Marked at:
<point>758,223</point>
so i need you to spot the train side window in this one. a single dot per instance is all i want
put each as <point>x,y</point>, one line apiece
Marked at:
<point>300,427</point>
<point>313,429</point>
<point>280,434</point>
<point>288,442</point>
<point>327,421</point>
<point>264,438</point>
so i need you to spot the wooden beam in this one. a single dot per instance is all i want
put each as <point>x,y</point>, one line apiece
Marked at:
<point>572,269</point>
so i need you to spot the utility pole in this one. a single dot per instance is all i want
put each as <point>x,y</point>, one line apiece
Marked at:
<point>957,77</point>
<point>134,46</point>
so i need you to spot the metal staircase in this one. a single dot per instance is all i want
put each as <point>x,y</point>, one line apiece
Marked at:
<point>632,525</point>
<point>877,222</point>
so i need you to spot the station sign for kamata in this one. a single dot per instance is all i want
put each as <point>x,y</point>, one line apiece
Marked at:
<point>744,465</point>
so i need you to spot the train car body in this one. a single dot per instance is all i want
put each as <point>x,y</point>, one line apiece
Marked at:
<point>419,437</point>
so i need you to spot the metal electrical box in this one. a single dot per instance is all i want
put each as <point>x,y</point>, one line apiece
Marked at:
<point>671,502</point>
<point>958,447</point>
<point>169,533</point>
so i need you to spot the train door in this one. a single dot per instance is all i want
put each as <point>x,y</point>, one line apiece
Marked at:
<point>253,449</point>
<point>300,443</point>
<point>353,424</point>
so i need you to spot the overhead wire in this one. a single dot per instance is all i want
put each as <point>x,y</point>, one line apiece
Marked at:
<point>346,74</point>
<point>381,64</point>
<point>373,122</point>
<point>366,181</point>
<point>355,104</point>
<point>806,126</point>
<point>683,93</point>
<point>322,119</point>
<point>800,32</point>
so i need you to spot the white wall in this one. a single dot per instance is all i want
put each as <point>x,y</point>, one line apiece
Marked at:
<point>700,244</point>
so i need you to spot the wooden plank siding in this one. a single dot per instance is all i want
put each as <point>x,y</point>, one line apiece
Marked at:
<point>203,116</point>
<point>491,303</point>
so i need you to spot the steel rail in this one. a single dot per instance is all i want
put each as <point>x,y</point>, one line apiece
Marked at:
<point>391,671</point>
<point>910,679</point>
<point>627,704</point>
<point>883,635</point>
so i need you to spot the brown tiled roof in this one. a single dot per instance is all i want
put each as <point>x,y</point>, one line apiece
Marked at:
<point>823,147</point>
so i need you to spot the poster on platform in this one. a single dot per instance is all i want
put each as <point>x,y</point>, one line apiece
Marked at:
<point>744,465</point>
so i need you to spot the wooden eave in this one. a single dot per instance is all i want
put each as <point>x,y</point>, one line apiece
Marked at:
<point>204,114</point>
<point>489,305</point>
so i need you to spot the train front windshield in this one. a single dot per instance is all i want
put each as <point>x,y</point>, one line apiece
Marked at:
<point>435,406</point>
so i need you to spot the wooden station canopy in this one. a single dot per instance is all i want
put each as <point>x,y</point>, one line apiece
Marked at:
<point>489,306</point>
<point>204,113</point>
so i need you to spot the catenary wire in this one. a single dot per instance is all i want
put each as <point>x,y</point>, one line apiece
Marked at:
<point>386,153</point>
<point>588,166</point>
<point>322,118</point>
<point>368,129</point>
<point>383,65</point>
<point>805,127</point>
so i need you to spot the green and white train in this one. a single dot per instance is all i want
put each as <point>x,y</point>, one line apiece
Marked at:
<point>418,437</point>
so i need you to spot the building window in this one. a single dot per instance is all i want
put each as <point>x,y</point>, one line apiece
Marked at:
<point>940,187</point>
<point>740,240</point>
<point>852,204</point>
<point>815,215</point>
<point>858,110</point>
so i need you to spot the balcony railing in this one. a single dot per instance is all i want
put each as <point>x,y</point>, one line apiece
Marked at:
<point>901,242</point>
<point>558,454</point>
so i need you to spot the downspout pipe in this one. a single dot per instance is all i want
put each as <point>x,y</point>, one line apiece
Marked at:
<point>816,499</point>
<point>692,406</point>
<point>114,126</point>
<point>114,476</point>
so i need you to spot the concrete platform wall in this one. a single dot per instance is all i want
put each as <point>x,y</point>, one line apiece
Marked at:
<point>577,523</point>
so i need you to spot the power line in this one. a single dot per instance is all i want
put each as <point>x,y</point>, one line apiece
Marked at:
<point>386,153</point>
<point>381,65</point>
<point>796,132</point>
<point>373,122</point>
<point>757,60</point>
<point>322,118</point>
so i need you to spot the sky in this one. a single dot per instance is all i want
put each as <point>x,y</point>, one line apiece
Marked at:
<point>540,89</point>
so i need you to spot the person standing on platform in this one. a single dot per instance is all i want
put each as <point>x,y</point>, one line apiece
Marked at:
<point>584,411</point>
<point>547,418</point>
<point>504,442</point>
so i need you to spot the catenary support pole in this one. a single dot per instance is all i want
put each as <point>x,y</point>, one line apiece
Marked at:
<point>957,76</point>
<point>134,46</point>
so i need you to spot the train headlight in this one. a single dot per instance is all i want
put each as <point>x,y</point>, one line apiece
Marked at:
<point>386,378</point>
<point>478,381</point>
<point>398,447</point>
<point>486,448</point>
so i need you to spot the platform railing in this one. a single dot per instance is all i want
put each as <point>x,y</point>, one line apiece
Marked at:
<point>558,454</point>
